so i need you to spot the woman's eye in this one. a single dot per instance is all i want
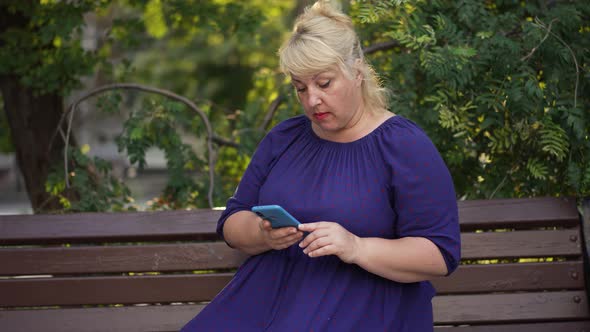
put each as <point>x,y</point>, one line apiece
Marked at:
<point>299,88</point>
<point>325,85</point>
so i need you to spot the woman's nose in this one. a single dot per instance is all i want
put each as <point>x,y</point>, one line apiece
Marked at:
<point>314,97</point>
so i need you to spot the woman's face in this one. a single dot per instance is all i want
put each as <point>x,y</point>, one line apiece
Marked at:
<point>331,100</point>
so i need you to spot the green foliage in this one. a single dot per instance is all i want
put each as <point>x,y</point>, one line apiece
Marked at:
<point>242,35</point>
<point>371,11</point>
<point>501,88</point>
<point>156,124</point>
<point>91,178</point>
<point>537,169</point>
<point>41,45</point>
<point>223,55</point>
<point>554,140</point>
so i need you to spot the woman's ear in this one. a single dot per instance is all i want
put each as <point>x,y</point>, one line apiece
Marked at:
<point>358,70</point>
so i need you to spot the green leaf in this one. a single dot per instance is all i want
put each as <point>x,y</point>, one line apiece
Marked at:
<point>136,133</point>
<point>554,140</point>
<point>463,51</point>
<point>537,169</point>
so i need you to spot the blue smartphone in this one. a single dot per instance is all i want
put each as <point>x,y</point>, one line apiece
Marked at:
<point>277,216</point>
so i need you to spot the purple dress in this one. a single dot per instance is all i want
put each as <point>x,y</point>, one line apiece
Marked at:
<point>391,183</point>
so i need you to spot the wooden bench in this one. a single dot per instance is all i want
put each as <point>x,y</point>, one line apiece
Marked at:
<point>87,272</point>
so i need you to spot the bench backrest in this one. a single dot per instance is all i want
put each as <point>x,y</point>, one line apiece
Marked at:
<point>523,262</point>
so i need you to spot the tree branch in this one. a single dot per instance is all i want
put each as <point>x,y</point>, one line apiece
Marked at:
<point>381,47</point>
<point>133,86</point>
<point>526,57</point>
<point>224,141</point>
<point>271,112</point>
<point>540,23</point>
<point>575,63</point>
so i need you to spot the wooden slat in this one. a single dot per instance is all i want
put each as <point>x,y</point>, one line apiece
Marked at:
<point>188,287</point>
<point>109,259</point>
<point>200,224</point>
<point>172,318</point>
<point>109,227</point>
<point>550,243</point>
<point>510,308</point>
<point>194,256</point>
<point>512,277</point>
<point>518,213</point>
<point>121,319</point>
<point>111,290</point>
<point>581,326</point>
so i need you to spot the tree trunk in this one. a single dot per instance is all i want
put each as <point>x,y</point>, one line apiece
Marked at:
<point>33,121</point>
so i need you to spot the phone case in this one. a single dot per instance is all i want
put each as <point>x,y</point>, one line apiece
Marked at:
<point>277,216</point>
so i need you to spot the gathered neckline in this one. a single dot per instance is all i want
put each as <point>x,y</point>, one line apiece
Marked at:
<point>374,132</point>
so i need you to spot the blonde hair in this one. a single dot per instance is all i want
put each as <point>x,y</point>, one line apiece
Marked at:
<point>323,37</point>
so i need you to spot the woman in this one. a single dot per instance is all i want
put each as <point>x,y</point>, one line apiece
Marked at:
<point>369,187</point>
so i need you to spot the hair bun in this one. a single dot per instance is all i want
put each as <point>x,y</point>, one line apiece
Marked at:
<point>332,11</point>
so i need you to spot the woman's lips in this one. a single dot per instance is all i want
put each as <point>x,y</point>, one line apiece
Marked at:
<point>320,116</point>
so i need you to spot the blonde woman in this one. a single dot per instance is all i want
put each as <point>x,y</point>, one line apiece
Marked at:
<point>374,197</point>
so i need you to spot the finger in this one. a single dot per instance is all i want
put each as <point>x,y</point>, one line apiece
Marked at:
<point>313,236</point>
<point>291,240</point>
<point>323,251</point>
<point>321,242</point>
<point>280,233</point>
<point>288,241</point>
<point>265,225</point>
<point>312,226</point>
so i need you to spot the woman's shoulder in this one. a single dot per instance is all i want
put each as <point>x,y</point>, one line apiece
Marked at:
<point>290,126</point>
<point>287,130</point>
<point>400,137</point>
<point>398,128</point>
<point>284,134</point>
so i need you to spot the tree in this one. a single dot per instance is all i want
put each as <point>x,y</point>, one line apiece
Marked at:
<point>501,87</point>
<point>51,30</point>
<point>40,62</point>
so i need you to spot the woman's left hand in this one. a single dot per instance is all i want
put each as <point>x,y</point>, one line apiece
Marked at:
<point>329,238</point>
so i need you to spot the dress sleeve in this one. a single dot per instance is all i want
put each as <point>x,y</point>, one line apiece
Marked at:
<point>423,195</point>
<point>246,194</point>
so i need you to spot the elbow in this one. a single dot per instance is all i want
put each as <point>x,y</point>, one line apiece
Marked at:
<point>438,271</point>
<point>441,271</point>
<point>252,251</point>
<point>416,277</point>
<point>433,271</point>
<point>450,264</point>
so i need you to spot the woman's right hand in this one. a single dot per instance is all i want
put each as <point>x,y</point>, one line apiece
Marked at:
<point>279,238</point>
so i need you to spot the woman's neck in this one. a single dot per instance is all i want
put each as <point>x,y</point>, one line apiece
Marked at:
<point>357,128</point>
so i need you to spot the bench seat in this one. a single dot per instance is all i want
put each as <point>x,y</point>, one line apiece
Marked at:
<point>523,269</point>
